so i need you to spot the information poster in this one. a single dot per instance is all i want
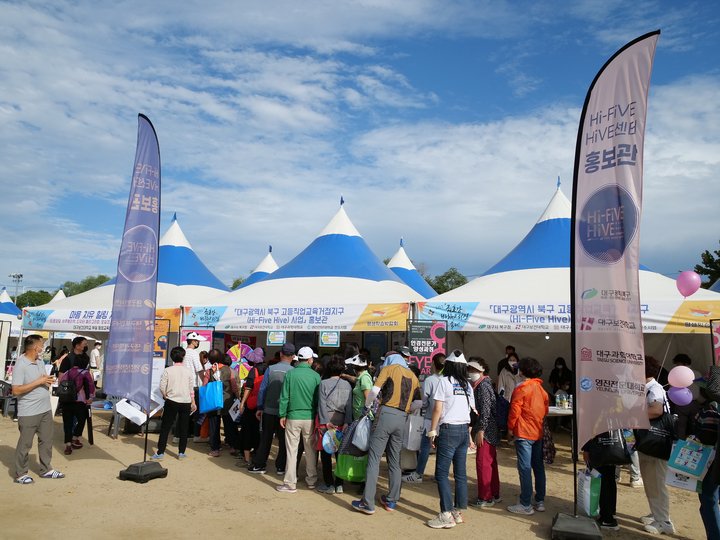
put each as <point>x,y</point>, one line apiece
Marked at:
<point>376,343</point>
<point>426,340</point>
<point>275,338</point>
<point>329,338</point>
<point>162,329</point>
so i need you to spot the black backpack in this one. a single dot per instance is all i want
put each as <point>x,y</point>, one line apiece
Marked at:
<point>68,390</point>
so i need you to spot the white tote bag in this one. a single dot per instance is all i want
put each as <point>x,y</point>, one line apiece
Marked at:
<point>413,433</point>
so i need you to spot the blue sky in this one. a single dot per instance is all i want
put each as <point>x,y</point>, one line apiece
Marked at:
<point>445,122</point>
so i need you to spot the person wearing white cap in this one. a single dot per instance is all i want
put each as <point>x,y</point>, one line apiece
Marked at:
<point>454,400</point>
<point>192,362</point>
<point>298,406</point>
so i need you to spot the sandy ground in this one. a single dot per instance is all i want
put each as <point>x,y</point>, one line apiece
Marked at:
<point>212,497</point>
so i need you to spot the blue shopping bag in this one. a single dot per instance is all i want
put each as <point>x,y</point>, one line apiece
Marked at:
<point>211,397</point>
<point>691,458</point>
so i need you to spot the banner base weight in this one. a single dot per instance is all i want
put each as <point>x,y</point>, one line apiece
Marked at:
<point>143,472</point>
<point>569,527</point>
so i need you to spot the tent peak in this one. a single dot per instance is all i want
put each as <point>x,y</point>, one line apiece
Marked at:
<point>175,237</point>
<point>559,206</point>
<point>340,224</point>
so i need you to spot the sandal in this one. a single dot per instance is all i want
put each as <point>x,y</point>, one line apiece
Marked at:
<point>23,480</point>
<point>53,474</point>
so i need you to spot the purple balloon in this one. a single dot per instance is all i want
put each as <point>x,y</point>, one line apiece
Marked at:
<point>680,396</point>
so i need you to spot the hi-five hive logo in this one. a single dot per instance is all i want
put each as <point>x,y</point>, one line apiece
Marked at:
<point>587,323</point>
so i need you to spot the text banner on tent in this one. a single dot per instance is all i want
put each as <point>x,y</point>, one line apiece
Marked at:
<point>85,320</point>
<point>353,317</point>
<point>607,204</point>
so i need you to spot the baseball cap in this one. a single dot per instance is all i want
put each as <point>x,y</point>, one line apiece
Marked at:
<point>195,336</point>
<point>456,356</point>
<point>306,353</point>
<point>403,351</point>
<point>288,349</point>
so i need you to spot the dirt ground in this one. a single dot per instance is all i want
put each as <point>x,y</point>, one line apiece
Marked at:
<point>214,498</point>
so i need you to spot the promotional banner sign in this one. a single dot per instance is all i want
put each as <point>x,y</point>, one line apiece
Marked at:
<point>426,340</point>
<point>85,320</point>
<point>129,358</point>
<point>349,317</point>
<point>608,351</point>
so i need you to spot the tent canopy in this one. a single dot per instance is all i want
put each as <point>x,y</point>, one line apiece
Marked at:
<point>182,280</point>
<point>529,289</point>
<point>266,266</point>
<point>336,283</point>
<point>405,270</point>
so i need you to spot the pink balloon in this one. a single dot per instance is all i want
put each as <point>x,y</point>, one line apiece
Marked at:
<point>680,396</point>
<point>688,283</point>
<point>681,377</point>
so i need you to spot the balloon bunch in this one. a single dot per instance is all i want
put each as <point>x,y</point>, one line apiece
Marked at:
<point>680,377</point>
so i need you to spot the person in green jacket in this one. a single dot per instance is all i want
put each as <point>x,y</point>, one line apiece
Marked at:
<point>298,407</point>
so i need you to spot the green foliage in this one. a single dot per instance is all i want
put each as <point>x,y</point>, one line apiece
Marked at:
<point>710,267</point>
<point>71,288</point>
<point>386,260</point>
<point>237,282</point>
<point>33,298</point>
<point>452,279</point>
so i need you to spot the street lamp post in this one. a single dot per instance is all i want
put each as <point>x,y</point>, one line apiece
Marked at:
<point>17,278</point>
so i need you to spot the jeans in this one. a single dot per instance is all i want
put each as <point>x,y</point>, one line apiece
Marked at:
<point>529,456</point>
<point>709,511</point>
<point>452,444</point>
<point>423,453</point>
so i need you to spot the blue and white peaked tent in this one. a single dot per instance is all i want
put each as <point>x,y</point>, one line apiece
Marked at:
<point>405,270</point>
<point>266,266</point>
<point>528,291</point>
<point>336,282</point>
<point>58,295</point>
<point>183,280</point>
<point>7,306</point>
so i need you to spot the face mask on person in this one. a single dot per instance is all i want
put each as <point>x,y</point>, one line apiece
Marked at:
<point>473,376</point>
<point>85,349</point>
<point>559,366</point>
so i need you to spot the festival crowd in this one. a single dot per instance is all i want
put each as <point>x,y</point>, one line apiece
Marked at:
<point>351,412</point>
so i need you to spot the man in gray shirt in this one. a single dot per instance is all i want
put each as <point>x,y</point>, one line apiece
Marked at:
<point>32,387</point>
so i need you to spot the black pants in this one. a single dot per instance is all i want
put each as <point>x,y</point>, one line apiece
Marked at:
<point>194,427</point>
<point>608,493</point>
<point>170,412</point>
<point>230,430</point>
<point>271,426</point>
<point>328,477</point>
<point>250,430</point>
<point>70,411</point>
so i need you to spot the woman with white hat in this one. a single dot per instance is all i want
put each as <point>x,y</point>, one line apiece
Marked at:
<point>450,434</point>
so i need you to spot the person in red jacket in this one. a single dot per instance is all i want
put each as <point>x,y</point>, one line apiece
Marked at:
<point>528,408</point>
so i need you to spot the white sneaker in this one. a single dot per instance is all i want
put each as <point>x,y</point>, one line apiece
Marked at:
<point>176,440</point>
<point>412,478</point>
<point>637,483</point>
<point>520,509</point>
<point>457,516</point>
<point>444,520</point>
<point>660,527</point>
<point>647,520</point>
<point>539,507</point>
